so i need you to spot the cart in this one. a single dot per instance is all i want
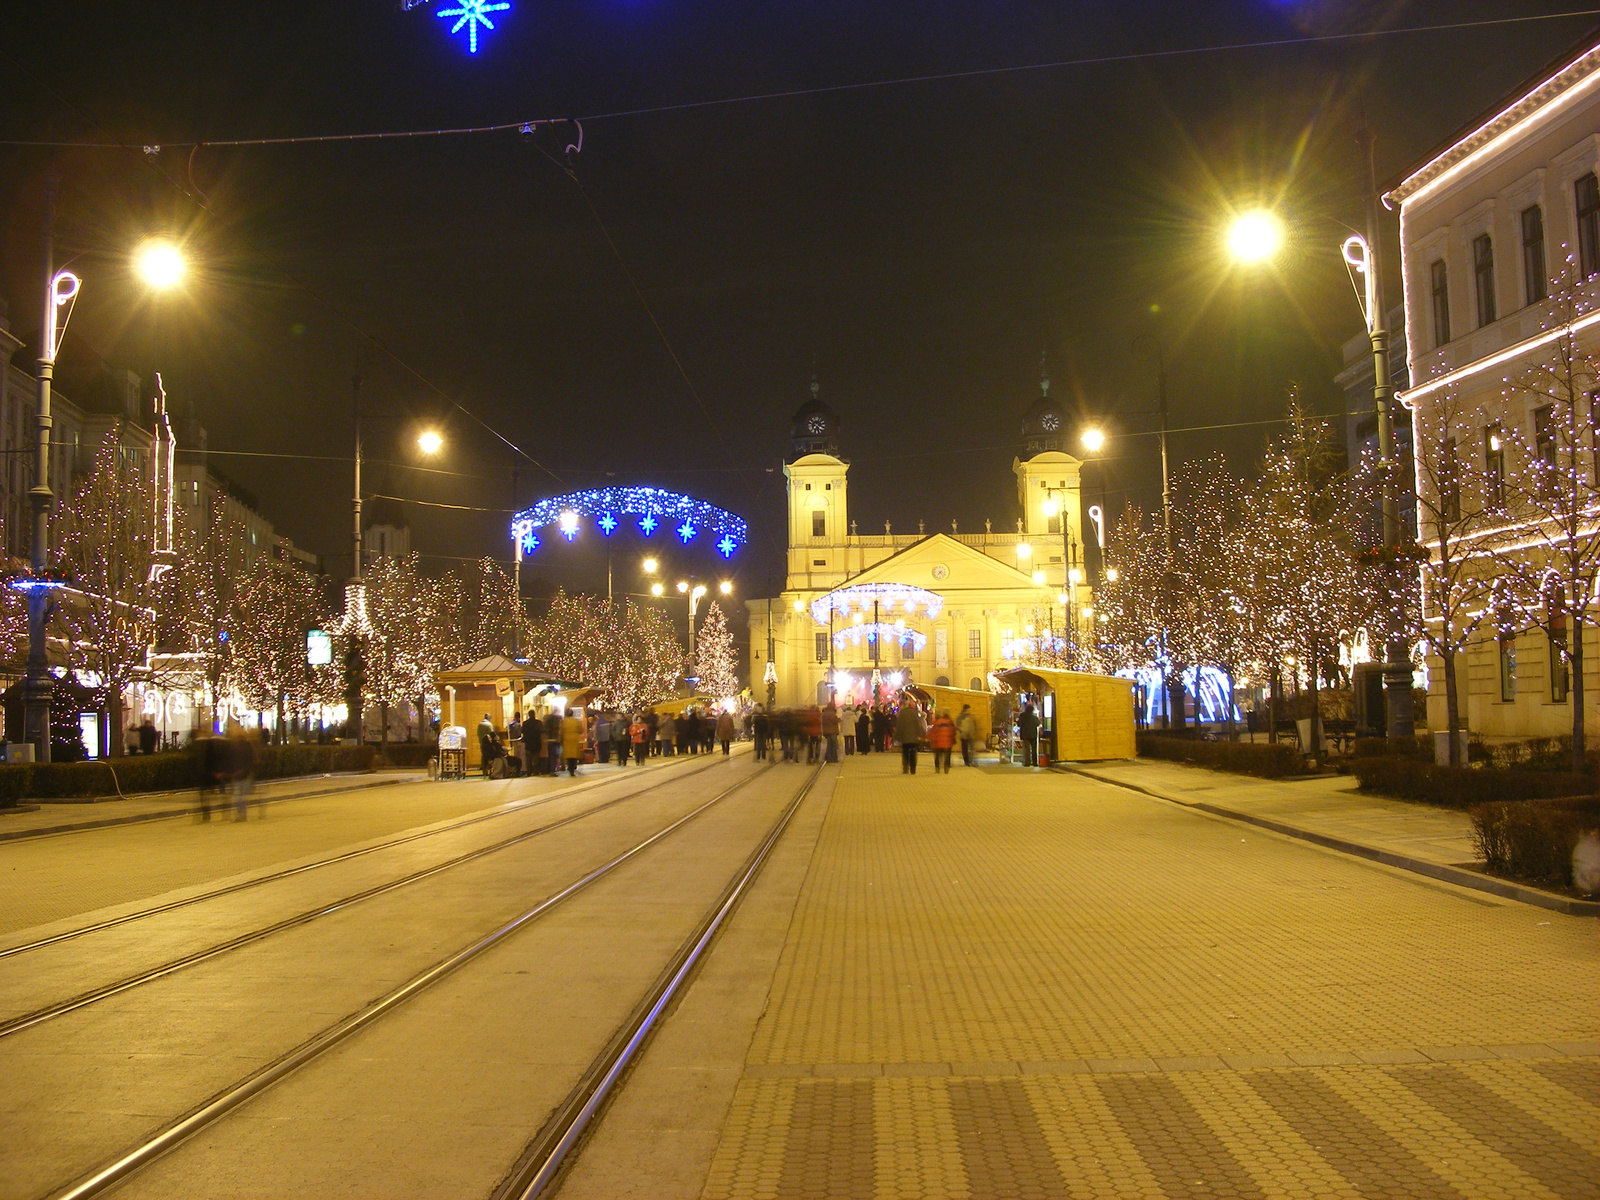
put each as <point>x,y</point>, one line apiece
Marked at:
<point>452,752</point>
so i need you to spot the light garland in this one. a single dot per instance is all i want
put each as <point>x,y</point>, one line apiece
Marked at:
<point>888,596</point>
<point>872,630</point>
<point>688,516</point>
<point>472,13</point>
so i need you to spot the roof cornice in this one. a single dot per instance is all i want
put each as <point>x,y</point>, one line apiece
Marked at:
<point>1540,101</point>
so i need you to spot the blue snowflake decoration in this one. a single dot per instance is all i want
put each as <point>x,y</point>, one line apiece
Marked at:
<point>652,508</point>
<point>530,543</point>
<point>473,13</point>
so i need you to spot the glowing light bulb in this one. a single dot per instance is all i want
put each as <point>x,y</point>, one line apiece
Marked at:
<point>1111,574</point>
<point>1255,236</point>
<point>657,589</point>
<point>1075,575</point>
<point>1093,440</point>
<point>1062,598</point>
<point>650,566</point>
<point>160,263</point>
<point>1024,550</point>
<point>1050,508</point>
<point>682,586</point>
<point>725,587</point>
<point>799,606</point>
<point>1038,578</point>
<point>429,441</point>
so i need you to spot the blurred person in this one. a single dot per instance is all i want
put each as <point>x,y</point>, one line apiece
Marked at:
<point>760,728</point>
<point>909,731</point>
<point>967,731</point>
<point>863,729</point>
<point>602,737</point>
<point>725,730</point>
<point>148,737</point>
<point>942,738</point>
<point>640,732</point>
<point>882,726</point>
<point>574,740</point>
<point>829,720</point>
<point>1028,730</point>
<point>621,737</point>
<point>243,754</point>
<point>667,733</point>
<point>811,728</point>
<point>552,741</point>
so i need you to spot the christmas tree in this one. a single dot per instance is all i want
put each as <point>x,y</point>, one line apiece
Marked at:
<point>715,656</point>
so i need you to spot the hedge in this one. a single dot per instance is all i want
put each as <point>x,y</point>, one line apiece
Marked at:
<point>406,754</point>
<point>171,771</point>
<point>1533,840</point>
<point>1266,759</point>
<point>1462,787</point>
<point>1417,749</point>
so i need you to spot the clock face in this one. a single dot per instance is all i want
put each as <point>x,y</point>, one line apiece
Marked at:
<point>818,424</point>
<point>1050,422</point>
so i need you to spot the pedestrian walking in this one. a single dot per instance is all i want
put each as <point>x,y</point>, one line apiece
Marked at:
<point>967,731</point>
<point>863,729</point>
<point>760,728</point>
<point>942,738</point>
<point>666,733</point>
<point>830,731</point>
<point>533,758</point>
<point>881,725</point>
<point>602,737</point>
<point>148,737</point>
<point>812,729</point>
<point>214,771</point>
<point>725,730</point>
<point>574,736</point>
<point>639,731</point>
<point>552,740</point>
<point>621,737</point>
<point>909,731</point>
<point>1028,730</point>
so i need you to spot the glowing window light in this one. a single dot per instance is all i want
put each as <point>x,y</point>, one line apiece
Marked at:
<point>569,525</point>
<point>727,546</point>
<point>648,524</point>
<point>686,532</point>
<point>473,13</point>
<point>607,523</point>
<point>888,596</point>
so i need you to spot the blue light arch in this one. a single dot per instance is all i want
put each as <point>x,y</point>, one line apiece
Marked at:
<point>653,510</point>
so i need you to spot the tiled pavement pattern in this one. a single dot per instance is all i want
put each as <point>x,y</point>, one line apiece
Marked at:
<point>1010,984</point>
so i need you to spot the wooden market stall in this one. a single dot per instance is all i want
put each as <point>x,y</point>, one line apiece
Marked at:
<point>952,698</point>
<point>1088,716</point>
<point>495,685</point>
<point>678,705</point>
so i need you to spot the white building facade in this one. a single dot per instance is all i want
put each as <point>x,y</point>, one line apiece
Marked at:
<point>926,607</point>
<point>1500,244</point>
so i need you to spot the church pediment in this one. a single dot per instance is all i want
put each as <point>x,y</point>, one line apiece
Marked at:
<point>939,562</point>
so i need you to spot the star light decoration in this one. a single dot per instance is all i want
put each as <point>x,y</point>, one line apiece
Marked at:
<point>871,631</point>
<point>888,596</point>
<point>471,14</point>
<point>653,507</point>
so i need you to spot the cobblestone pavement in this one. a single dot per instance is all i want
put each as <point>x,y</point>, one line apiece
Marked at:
<point>1004,983</point>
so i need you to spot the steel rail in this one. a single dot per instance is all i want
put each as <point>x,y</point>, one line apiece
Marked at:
<point>259,1080</point>
<point>232,888</point>
<point>127,983</point>
<point>541,1162</point>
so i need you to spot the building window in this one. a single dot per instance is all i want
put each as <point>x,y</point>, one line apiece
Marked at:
<point>1544,448</point>
<point>1052,524</point>
<point>1494,466</point>
<point>819,524</point>
<point>1449,483</point>
<point>1441,303</point>
<point>1535,283</point>
<point>819,562</point>
<point>1508,669</point>
<point>1483,277</point>
<point>1558,658</point>
<point>822,647</point>
<point>908,651</point>
<point>1587,193</point>
<point>974,643</point>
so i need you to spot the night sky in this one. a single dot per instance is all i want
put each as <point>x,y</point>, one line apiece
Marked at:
<point>917,245</point>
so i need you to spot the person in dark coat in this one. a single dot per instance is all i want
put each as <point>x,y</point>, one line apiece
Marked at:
<point>863,730</point>
<point>1028,729</point>
<point>148,737</point>
<point>760,727</point>
<point>621,739</point>
<point>881,728</point>
<point>533,756</point>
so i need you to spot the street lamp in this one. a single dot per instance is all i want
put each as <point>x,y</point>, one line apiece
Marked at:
<point>1255,236</point>
<point>159,263</point>
<point>1093,440</point>
<point>429,441</point>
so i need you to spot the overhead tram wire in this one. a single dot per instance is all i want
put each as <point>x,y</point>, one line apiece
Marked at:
<point>827,89</point>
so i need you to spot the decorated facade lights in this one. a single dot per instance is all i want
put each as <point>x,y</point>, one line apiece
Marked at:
<point>888,597</point>
<point>652,507</point>
<point>470,14</point>
<point>899,631</point>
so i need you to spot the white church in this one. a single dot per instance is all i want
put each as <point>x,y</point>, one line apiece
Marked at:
<point>940,608</point>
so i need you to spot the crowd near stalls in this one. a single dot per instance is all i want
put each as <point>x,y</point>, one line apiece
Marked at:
<point>564,731</point>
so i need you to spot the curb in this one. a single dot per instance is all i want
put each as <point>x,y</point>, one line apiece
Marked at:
<point>20,835</point>
<point>1503,888</point>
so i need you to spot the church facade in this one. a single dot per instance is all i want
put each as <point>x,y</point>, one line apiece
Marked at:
<point>860,609</point>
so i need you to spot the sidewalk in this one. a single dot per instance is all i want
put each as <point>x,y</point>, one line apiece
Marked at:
<point>1331,812</point>
<point>68,816</point>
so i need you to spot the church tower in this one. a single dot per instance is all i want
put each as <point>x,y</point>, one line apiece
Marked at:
<point>819,517</point>
<point>1048,489</point>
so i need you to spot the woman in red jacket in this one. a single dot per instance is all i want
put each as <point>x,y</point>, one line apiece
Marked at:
<point>942,736</point>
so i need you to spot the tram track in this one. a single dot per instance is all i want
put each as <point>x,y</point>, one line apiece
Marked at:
<point>264,1077</point>
<point>335,859</point>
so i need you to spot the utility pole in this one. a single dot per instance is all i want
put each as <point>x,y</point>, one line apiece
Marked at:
<point>1397,656</point>
<point>355,595</point>
<point>60,288</point>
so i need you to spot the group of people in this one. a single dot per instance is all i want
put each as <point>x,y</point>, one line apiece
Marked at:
<point>816,730</point>
<point>554,742</point>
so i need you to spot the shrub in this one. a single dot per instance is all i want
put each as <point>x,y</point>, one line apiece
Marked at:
<point>14,779</point>
<point>170,771</point>
<point>1532,839</point>
<point>280,762</point>
<point>1245,758</point>
<point>406,754</point>
<point>1418,749</point>
<point>1462,787</point>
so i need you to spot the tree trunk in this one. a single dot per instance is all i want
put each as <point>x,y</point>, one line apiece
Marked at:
<point>277,732</point>
<point>383,714</point>
<point>1452,707</point>
<point>1316,713</point>
<point>1575,653</point>
<point>1180,717</point>
<point>114,708</point>
<point>1274,683</point>
<point>1227,706</point>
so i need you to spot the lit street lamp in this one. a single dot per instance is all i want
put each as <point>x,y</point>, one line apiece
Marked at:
<point>159,263</point>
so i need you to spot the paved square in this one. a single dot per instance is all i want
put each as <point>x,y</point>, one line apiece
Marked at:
<point>1010,983</point>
